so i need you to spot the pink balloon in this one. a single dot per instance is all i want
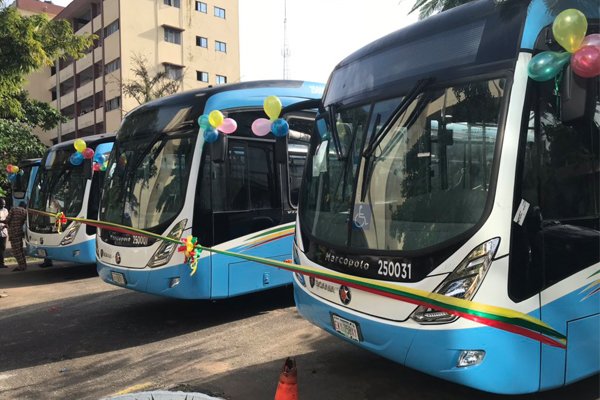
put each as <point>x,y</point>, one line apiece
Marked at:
<point>228,126</point>
<point>586,62</point>
<point>261,127</point>
<point>591,40</point>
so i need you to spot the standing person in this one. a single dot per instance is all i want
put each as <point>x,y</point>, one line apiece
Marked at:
<point>15,220</point>
<point>3,231</point>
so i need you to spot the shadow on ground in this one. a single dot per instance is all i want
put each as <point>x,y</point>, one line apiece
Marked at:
<point>43,276</point>
<point>116,320</point>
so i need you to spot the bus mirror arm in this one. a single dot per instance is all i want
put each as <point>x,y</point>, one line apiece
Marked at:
<point>281,155</point>
<point>573,96</point>
<point>88,169</point>
<point>218,149</point>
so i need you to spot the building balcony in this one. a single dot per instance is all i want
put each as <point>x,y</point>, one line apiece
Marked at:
<point>112,48</point>
<point>98,54</point>
<point>97,22</point>
<point>87,28</point>
<point>86,90</point>
<point>67,99</point>
<point>169,16</point>
<point>68,127</point>
<point>66,73</point>
<point>85,62</point>
<point>85,120</point>
<point>99,114</point>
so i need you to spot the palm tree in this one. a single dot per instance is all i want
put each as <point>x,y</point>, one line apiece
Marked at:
<point>145,86</point>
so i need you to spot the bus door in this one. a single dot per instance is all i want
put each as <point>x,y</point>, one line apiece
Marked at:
<point>558,239</point>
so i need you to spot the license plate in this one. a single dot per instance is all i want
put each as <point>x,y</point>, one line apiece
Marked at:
<point>41,252</point>
<point>349,329</point>
<point>118,278</point>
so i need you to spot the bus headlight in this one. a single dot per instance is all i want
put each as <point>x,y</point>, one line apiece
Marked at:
<point>70,234</point>
<point>462,283</point>
<point>166,249</point>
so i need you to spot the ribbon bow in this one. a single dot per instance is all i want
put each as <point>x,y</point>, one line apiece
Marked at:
<point>191,252</point>
<point>60,220</point>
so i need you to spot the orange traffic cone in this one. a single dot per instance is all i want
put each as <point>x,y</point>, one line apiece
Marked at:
<point>287,389</point>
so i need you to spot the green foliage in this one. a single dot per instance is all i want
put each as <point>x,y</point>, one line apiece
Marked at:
<point>27,44</point>
<point>146,87</point>
<point>16,143</point>
<point>430,7</point>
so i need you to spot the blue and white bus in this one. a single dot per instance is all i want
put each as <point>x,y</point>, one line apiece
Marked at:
<point>23,182</point>
<point>239,193</point>
<point>438,165</point>
<point>73,190</point>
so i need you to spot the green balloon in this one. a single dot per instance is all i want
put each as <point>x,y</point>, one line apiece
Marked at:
<point>547,65</point>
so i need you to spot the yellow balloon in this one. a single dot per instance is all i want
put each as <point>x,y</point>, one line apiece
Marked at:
<point>569,29</point>
<point>15,169</point>
<point>215,118</point>
<point>80,145</point>
<point>272,107</point>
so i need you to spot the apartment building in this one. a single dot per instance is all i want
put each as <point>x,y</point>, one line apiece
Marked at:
<point>196,42</point>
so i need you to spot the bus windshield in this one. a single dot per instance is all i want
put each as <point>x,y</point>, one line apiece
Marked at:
<point>59,187</point>
<point>424,182</point>
<point>19,185</point>
<point>148,174</point>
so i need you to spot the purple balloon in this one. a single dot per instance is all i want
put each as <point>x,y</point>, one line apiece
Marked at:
<point>261,127</point>
<point>591,40</point>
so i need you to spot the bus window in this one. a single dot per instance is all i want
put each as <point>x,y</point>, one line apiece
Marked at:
<point>298,142</point>
<point>247,180</point>
<point>560,181</point>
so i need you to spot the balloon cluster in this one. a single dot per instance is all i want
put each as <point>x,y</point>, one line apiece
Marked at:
<point>569,29</point>
<point>86,153</point>
<point>215,122</point>
<point>13,170</point>
<point>278,126</point>
<point>191,252</point>
<point>59,220</point>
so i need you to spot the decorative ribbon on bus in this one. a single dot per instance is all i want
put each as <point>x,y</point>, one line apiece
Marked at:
<point>569,29</point>
<point>59,220</point>
<point>496,317</point>
<point>191,252</point>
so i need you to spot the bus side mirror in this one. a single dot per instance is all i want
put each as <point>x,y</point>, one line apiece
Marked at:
<point>218,149</point>
<point>281,155</point>
<point>573,96</point>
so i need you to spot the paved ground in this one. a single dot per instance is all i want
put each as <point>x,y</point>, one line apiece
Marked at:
<point>64,334</point>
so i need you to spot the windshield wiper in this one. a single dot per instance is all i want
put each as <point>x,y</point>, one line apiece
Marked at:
<point>377,139</point>
<point>337,144</point>
<point>398,112</point>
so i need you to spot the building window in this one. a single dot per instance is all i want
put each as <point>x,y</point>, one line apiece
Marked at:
<point>201,42</point>
<point>202,76</point>
<point>174,72</point>
<point>113,104</point>
<point>172,35</point>
<point>111,28</point>
<point>220,46</point>
<point>112,66</point>
<point>172,3</point>
<point>201,6</point>
<point>219,12</point>
<point>52,70</point>
<point>221,79</point>
<point>53,92</point>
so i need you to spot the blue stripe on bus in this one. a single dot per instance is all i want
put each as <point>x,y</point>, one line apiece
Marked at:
<point>82,253</point>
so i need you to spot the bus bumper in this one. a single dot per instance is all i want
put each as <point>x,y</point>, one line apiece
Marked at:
<point>511,364</point>
<point>81,253</point>
<point>173,281</point>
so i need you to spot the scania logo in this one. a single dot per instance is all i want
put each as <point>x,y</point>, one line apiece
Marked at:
<point>41,240</point>
<point>345,295</point>
<point>118,258</point>
<point>311,280</point>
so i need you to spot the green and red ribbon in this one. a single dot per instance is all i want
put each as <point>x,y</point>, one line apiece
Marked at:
<point>493,316</point>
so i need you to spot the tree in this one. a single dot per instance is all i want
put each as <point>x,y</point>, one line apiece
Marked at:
<point>16,143</point>
<point>145,86</point>
<point>27,44</point>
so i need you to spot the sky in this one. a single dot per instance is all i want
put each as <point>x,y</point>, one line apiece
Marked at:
<point>320,33</point>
